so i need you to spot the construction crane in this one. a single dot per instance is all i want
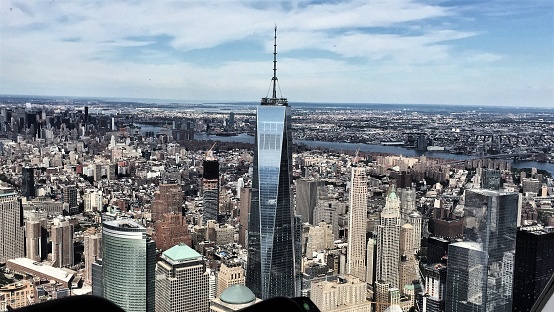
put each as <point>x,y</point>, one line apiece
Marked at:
<point>355,160</point>
<point>210,153</point>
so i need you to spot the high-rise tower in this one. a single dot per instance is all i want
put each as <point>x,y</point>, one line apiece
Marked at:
<point>12,230</point>
<point>128,265</point>
<point>357,224</point>
<point>210,188</point>
<point>271,255</point>
<point>388,241</point>
<point>487,253</point>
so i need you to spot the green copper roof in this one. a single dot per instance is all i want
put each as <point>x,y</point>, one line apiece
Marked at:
<point>237,294</point>
<point>181,252</point>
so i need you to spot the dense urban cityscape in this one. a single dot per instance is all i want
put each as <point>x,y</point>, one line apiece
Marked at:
<point>77,174</point>
<point>131,204</point>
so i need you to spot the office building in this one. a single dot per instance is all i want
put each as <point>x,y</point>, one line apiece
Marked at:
<point>70,195</point>
<point>97,279</point>
<point>128,265</point>
<point>210,188</point>
<point>62,243</point>
<point>171,230</point>
<point>168,198</point>
<point>435,288</point>
<point>388,241</point>
<point>229,275</point>
<point>356,255</point>
<point>348,293</point>
<point>36,236</point>
<point>93,250</point>
<point>319,238</point>
<point>245,197</point>
<point>28,182</point>
<point>381,295</point>
<point>490,179</point>
<point>271,244</point>
<point>12,228</point>
<point>480,269</point>
<point>408,264</point>
<point>534,265</point>
<point>181,281</point>
<point>306,199</point>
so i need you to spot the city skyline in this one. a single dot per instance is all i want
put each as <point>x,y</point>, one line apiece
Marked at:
<point>444,52</point>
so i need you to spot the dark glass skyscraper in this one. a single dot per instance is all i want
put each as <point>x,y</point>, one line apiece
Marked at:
<point>271,245</point>
<point>480,269</point>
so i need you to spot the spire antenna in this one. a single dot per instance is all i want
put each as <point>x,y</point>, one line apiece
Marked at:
<point>274,100</point>
<point>275,64</point>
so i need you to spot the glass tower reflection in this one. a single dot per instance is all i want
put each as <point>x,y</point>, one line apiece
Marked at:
<point>271,256</point>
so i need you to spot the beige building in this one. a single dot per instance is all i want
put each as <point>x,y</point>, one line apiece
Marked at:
<point>388,242</point>
<point>229,276</point>
<point>12,231</point>
<point>181,281</point>
<point>16,295</point>
<point>320,237</point>
<point>62,244</point>
<point>36,239</point>
<point>357,224</point>
<point>93,250</point>
<point>348,293</point>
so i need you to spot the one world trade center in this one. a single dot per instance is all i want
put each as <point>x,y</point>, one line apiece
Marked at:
<point>271,269</point>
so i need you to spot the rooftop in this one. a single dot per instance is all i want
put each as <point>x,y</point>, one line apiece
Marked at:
<point>181,252</point>
<point>56,273</point>
<point>237,294</point>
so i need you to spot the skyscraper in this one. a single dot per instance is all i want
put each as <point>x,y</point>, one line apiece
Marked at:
<point>28,182</point>
<point>93,251</point>
<point>168,198</point>
<point>181,281</point>
<point>306,199</point>
<point>171,230</point>
<point>245,197</point>
<point>36,239</point>
<point>62,244</point>
<point>271,255</point>
<point>12,230</point>
<point>357,223</point>
<point>534,265</point>
<point>388,242</point>
<point>210,188</point>
<point>490,219</point>
<point>128,265</point>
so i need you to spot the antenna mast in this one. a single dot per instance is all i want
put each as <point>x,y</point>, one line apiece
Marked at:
<point>274,100</point>
<point>275,64</point>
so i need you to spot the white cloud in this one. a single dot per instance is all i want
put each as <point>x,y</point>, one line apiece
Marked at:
<point>363,50</point>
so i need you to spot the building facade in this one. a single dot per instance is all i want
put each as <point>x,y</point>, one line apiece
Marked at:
<point>534,265</point>
<point>128,265</point>
<point>229,276</point>
<point>388,242</point>
<point>357,222</point>
<point>490,220</point>
<point>210,189</point>
<point>12,228</point>
<point>181,281</point>
<point>62,244</point>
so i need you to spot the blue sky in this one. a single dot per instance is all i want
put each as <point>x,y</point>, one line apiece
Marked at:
<point>490,52</point>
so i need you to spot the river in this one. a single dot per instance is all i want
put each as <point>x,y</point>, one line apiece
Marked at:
<point>398,150</point>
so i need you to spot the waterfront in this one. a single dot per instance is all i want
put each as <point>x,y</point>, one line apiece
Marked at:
<point>373,148</point>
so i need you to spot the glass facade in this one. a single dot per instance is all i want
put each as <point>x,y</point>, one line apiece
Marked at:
<point>490,220</point>
<point>128,265</point>
<point>271,244</point>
